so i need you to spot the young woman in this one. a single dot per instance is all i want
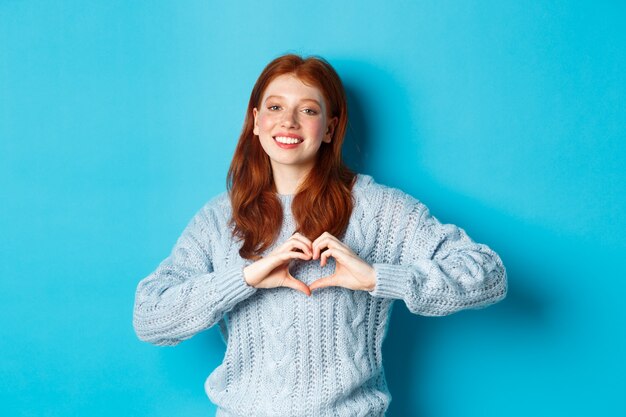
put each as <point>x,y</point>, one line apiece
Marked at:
<point>300,261</point>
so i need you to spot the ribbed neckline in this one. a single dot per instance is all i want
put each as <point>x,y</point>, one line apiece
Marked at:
<point>285,198</point>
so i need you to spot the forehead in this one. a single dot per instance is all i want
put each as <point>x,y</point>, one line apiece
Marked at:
<point>290,86</point>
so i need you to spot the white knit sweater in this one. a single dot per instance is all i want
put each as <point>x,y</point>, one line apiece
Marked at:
<point>292,355</point>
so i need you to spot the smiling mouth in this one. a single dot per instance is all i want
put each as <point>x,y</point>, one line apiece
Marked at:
<point>287,140</point>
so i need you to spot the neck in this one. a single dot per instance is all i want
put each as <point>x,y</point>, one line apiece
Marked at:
<point>288,178</point>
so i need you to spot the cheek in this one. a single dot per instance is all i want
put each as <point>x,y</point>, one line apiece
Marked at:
<point>316,127</point>
<point>265,121</point>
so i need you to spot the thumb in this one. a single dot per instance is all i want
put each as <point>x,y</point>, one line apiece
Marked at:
<point>328,281</point>
<point>296,284</point>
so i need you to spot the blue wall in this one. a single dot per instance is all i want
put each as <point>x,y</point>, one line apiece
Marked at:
<point>118,121</point>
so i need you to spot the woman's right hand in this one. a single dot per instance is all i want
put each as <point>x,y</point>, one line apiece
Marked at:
<point>272,271</point>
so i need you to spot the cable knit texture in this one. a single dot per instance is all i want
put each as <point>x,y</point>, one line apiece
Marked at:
<point>292,355</point>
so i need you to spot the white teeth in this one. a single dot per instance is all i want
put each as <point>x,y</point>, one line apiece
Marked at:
<point>286,140</point>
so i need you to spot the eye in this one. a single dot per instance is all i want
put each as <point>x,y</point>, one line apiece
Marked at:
<point>310,111</point>
<point>274,107</point>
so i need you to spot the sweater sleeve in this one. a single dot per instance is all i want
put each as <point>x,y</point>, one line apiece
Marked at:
<point>184,295</point>
<point>437,269</point>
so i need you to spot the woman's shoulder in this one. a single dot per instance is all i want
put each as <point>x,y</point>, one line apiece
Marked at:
<point>370,192</point>
<point>216,209</point>
<point>219,201</point>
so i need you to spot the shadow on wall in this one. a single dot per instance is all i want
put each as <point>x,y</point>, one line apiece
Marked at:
<point>412,341</point>
<point>378,110</point>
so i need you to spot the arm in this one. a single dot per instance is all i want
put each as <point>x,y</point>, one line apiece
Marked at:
<point>439,269</point>
<point>184,296</point>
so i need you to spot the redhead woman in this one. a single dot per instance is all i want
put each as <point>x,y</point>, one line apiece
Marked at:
<point>300,261</point>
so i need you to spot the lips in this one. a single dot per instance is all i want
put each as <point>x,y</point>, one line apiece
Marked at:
<point>288,139</point>
<point>286,142</point>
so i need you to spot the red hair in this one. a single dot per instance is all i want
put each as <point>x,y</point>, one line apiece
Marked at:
<point>323,202</point>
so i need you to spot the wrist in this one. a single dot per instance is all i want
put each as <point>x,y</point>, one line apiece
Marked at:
<point>246,273</point>
<point>372,280</point>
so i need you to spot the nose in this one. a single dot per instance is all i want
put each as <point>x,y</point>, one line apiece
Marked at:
<point>289,119</point>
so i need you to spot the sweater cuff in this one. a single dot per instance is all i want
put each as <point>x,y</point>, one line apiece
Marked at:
<point>392,281</point>
<point>232,285</point>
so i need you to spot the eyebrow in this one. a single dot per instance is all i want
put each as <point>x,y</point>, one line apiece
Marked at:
<point>305,99</point>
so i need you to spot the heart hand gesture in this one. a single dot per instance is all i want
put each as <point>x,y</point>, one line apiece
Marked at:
<point>272,271</point>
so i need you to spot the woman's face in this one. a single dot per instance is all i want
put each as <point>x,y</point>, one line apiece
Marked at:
<point>292,123</point>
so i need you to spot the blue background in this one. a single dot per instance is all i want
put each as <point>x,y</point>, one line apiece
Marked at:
<point>118,121</point>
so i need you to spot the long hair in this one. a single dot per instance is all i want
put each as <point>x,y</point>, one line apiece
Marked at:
<point>323,201</point>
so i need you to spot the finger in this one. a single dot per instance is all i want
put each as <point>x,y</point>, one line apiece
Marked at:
<point>295,243</point>
<point>324,242</point>
<point>276,260</point>
<point>285,256</point>
<point>325,255</point>
<point>338,253</point>
<point>296,284</point>
<point>317,241</point>
<point>335,253</point>
<point>329,281</point>
<point>322,236</point>
<point>302,239</point>
<point>337,248</point>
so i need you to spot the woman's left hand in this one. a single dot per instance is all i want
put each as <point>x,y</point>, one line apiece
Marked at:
<point>350,271</point>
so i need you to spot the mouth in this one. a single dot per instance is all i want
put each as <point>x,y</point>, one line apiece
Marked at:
<point>288,140</point>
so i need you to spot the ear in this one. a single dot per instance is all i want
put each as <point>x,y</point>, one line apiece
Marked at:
<point>256,128</point>
<point>332,124</point>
